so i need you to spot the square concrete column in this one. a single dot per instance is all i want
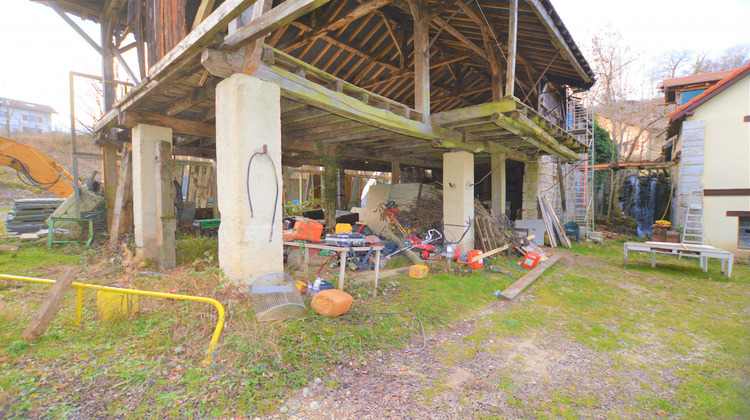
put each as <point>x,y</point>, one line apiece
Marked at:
<point>497,163</point>
<point>529,209</point>
<point>248,116</point>
<point>145,138</point>
<point>458,197</point>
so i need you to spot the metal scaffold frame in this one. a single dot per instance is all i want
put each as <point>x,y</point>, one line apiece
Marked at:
<point>580,123</point>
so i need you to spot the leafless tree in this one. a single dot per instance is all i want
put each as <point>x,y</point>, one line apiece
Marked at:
<point>672,64</point>
<point>627,119</point>
<point>733,57</point>
<point>701,64</point>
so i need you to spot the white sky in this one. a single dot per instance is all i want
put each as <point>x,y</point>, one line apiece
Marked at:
<point>38,49</point>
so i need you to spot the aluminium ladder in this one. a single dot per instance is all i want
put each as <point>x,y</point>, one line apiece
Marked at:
<point>693,225</point>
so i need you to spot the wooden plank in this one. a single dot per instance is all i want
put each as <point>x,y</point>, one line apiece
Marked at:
<point>179,126</point>
<point>50,305</point>
<point>10,248</point>
<point>203,11</point>
<point>548,225</point>
<point>165,211</point>
<point>521,284</point>
<point>277,17</point>
<point>123,197</point>
<point>490,253</point>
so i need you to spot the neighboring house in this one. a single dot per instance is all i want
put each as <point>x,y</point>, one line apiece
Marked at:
<point>713,142</point>
<point>681,90</point>
<point>25,117</point>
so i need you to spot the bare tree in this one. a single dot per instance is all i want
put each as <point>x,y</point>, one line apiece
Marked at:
<point>673,63</point>
<point>628,120</point>
<point>733,57</point>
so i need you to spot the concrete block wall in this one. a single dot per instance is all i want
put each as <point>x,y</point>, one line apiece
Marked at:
<point>689,173</point>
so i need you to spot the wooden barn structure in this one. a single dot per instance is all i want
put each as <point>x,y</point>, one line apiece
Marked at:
<point>442,85</point>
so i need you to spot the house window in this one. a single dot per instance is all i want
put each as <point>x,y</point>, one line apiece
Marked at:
<point>40,119</point>
<point>25,117</point>
<point>743,236</point>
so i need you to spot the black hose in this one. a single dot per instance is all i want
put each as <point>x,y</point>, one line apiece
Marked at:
<point>276,179</point>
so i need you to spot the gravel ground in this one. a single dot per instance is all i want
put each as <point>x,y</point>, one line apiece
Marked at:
<point>466,374</point>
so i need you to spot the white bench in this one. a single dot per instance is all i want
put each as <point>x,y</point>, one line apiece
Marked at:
<point>702,252</point>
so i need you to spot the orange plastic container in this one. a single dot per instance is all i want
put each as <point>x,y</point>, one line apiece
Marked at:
<point>331,302</point>
<point>307,230</point>
<point>530,260</point>
<point>418,271</point>
<point>478,264</point>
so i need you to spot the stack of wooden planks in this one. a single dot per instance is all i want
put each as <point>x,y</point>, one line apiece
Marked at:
<point>555,229</point>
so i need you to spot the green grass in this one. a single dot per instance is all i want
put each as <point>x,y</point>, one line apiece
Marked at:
<point>694,324</point>
<point>154,360</point>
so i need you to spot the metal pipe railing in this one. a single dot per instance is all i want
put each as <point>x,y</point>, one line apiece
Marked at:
<point>79,302</point>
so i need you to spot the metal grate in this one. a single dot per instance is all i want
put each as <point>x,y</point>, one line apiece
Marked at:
<point>275,297</point>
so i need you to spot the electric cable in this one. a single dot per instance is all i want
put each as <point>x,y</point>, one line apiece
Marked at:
<point>275,178</point>
<point>30,180</point>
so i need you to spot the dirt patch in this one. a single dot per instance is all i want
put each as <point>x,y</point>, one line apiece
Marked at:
<point>474,369</point>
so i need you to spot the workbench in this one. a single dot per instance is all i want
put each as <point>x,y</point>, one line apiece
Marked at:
<point>702,252</point>
<point>306,246</point>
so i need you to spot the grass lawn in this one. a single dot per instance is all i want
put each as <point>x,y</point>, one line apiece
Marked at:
<point>679,334</point>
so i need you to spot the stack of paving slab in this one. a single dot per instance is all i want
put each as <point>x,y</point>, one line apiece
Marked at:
<point>28,215</point>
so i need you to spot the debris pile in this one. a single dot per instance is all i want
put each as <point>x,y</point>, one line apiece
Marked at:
<point>28,216</point>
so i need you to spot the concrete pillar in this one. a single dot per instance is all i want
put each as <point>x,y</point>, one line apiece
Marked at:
<point>529,209</point>
<point>458,197</point>
<point>248,116</point>
<point>145,138</point>
<point>497,162</point>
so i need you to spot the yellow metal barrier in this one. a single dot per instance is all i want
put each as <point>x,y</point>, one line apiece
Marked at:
<point>79,302</point>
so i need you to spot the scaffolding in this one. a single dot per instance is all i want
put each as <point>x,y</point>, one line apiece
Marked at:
<point>580,123</point>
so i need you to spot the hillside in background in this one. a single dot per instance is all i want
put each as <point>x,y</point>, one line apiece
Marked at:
<point>58,147</point>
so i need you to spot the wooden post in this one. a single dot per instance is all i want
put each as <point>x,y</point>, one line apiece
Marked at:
<point>165,212</point>
<point>118,222</point>
<point>51,305</point>
<point>510,78</point>
<point>395,172</point>
<point>497,82</point>
<point>498,183</point>
<point>109,167</point>
<point>215,191</point>
<point>421,57</point>
<point>252,53</point>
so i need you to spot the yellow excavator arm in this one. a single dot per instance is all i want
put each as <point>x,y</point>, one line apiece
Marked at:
<point>35,168</point>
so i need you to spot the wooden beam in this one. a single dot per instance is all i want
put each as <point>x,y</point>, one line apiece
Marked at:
<point>277,17</point>
<point>165,211</point>
<point>198,95</point>
<point>510,72</point>
<point>178,58</point>
<point>132,118</point>
<point>422,58</point>
<point>50,305</point>
<point>203,11</point>
<point>558,39</point>
<point>437,23</point>
<point>253,51</point>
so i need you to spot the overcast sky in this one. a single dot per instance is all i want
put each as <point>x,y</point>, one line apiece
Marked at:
<point>38,49</point>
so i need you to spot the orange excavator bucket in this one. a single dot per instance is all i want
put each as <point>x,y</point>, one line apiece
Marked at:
<point>35,168</point>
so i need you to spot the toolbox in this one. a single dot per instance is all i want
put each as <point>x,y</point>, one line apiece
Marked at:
<point>345,239</point>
